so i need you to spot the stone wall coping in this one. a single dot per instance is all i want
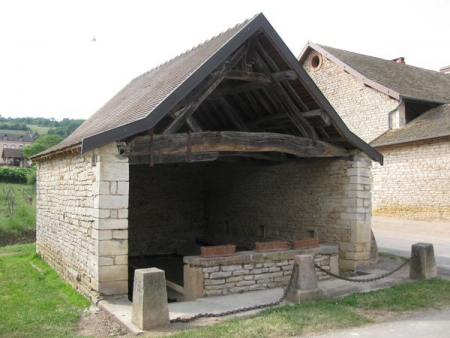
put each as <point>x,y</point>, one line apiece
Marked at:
<point>246,257</point>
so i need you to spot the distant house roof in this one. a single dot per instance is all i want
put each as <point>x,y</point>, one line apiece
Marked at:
<point>17,137</point>
<point>12,153</point>
<point>432,124</point>
<point>395,79</point>
<point>154,98</point>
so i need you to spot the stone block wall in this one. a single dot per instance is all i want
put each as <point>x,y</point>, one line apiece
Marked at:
<point>363,109</point>
<point>243,203</point>
<point>413,182</point>
<point>250,271</point>
<point>81,221</point>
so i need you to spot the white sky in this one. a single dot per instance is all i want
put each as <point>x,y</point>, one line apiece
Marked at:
<point>50,67</point>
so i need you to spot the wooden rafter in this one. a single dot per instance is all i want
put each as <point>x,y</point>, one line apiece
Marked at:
<point>282,76</point>
<point>275,67</point>
<point>203,93</point>
<point>300,122</point>
<point>232,114</point>
<point>229,141</point>
<point>242,75</point>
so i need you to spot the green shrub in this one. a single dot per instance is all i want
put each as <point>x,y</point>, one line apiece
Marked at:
<point>14,175</point>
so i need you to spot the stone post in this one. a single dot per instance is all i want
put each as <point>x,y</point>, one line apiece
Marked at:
<point>150,308</point>
<point>304,285</point>
<point>355,250</point>
<point>422,265</point>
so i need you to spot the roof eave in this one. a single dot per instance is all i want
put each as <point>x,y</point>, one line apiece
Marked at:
<point>258,22</point>
<point>166,105</point>
<point>413,140</point>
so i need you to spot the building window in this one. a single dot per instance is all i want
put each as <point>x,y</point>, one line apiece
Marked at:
<point>21,146</point>
<point>13,146</point>
<point>5,146</point>
<point>316,62</point>
<point>5,137</point>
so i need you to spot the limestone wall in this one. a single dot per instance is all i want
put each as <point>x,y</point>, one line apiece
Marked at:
<point>414,181</point>
<point>244,203</point>
<point>81,221</point>
<point>250,271</point>
<point>363,109</point>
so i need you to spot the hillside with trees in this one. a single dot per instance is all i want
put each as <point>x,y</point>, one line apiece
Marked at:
<point>39,126</point>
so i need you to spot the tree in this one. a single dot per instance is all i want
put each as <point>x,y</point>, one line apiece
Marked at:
<point>41,144</point>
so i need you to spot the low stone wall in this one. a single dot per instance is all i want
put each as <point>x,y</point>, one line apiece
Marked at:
<point>249,271</point>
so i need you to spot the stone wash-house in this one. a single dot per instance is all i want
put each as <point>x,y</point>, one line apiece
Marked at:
<point>228,143</point>
<point>404,113</point>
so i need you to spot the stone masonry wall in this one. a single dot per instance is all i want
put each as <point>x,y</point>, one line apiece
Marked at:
<point>363,109</point>
<point>81,223</point>
<point>64,202</point>
<point>243,203</point>
<point>413,182</point>
<point>249,203</point>
<point>250,271</point>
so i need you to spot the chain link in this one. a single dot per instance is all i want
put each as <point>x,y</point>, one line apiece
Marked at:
<point>363,280</point>
<point>281,300</point>
<point>245,309</point>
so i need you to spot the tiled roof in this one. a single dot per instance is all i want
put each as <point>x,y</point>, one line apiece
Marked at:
<point>408,81</point>
<point>142,95</point>
<point>431,124</point>
<point>149,98</point>
<point>12,152</point>
<point>16,137</point>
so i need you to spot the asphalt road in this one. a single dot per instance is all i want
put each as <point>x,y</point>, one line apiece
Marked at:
<point>396,236</point>
<point>430,324</point>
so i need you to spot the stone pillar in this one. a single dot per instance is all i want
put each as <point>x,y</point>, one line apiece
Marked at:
<point>422,265</point>
<point>110,226</point>
<point>304,285</point>
<point>355,252</point>
<point>193,282</point>
<point>150,308</point>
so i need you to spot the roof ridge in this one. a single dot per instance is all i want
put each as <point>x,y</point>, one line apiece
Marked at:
<point>378,58</point>
<point>195,47</point>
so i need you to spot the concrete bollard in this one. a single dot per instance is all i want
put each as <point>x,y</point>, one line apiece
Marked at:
<point>150,308</point>
<point>422,265</point>
<point>304,285</point>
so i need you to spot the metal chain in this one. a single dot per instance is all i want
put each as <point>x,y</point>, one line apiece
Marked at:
<point>362,280</point>
<point>245,309</point>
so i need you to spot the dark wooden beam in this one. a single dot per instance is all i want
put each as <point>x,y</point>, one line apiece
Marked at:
<point>294,113</point>
<point>241,75</point>
<point>203,93</point>
<point>287,75</point>
<point>273,157</point>
<point>232,114</point>
<point>275,68</point>
<point>165,159</point>
<point>229,141</point>
<point>192,124</point>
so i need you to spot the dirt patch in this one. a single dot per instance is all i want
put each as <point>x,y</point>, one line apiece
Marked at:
<point>97,323</point>
<point>380,316</point>
<point>11,239</point>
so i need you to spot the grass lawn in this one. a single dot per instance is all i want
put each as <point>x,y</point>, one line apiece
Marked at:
<point>34,301</point>
<point>17,212</point>
<point>330,314</point>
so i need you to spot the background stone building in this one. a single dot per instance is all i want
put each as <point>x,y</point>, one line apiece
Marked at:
<point>401,111</point>
<point>229,142</point>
